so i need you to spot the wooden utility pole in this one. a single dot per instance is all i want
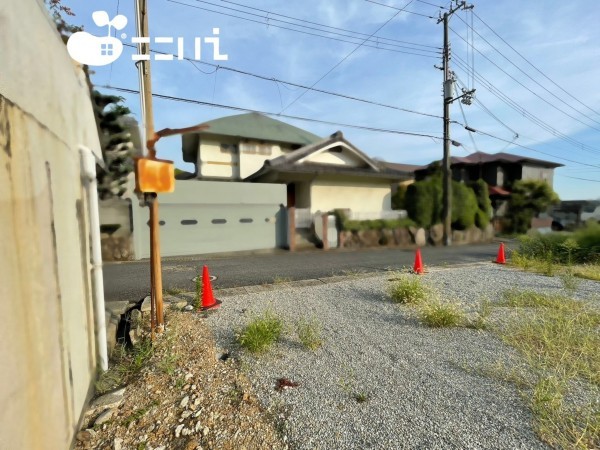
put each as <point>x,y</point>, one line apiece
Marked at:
<point>448,99</point>
<point>150,198</point>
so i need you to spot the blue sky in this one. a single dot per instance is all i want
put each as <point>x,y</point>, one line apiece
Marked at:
<point>559,38</point>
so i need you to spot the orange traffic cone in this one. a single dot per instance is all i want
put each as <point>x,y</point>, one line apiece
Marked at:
<point>208,299</point>
<point>501,259</point>
<point>418,267</point>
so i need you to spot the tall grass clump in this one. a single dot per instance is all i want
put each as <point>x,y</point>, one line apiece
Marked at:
<point>309,333</point>
<point>261,333</point>
<point>408,289</point>
<point>437,314</point>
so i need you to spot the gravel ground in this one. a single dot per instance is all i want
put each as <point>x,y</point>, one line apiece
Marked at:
<point>418,393</point>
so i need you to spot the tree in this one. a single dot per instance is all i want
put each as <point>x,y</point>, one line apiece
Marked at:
<point>527,200</point>
<point>57,10</point>
<point>115,140</point>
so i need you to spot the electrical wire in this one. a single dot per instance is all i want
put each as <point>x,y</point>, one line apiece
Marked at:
<point>577,178</point>
<point>395,7</point>
<point>378,46</point>
<point>527,88</point>
<point>523,72</point>
<point>296,85</point>
<point>270,15</point>
<point>306,119</point>
<point>335,66</point>
<point>532,65</point>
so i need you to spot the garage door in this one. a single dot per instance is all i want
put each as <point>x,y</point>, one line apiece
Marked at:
<point>212,217</point>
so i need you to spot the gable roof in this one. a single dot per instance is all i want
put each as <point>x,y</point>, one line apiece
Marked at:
<point>293,162</point>
<point>252,125</point>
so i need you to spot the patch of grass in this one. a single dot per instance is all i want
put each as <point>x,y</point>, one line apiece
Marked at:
<point>198,298</point>
<point>569,281</point>
<point>531,299</point>
<point>408,289</point>
<point>588,271</point>
<point>309,333</point>
<point>236,395</point>
<point>437,314</point>
<point>559,425</point>
<point>173,291</point>
<point>125,366</point>
<point>281,280</point>
<point>261,333</point>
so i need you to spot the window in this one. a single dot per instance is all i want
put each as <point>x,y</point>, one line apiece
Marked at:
<point>229,148</point>
<point>106,49</point>
<point>218,221</point>
<point>189,222</point>
<point>246,220</point>
<point>256,149</point>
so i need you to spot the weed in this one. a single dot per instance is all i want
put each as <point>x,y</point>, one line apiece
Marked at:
<point>281,280</point>
<point>173,291</point>
<point>569,281</point>
<point>169,363</point>
<point>436,314</point>
<point>261,333</point>
<point>531,299</point>
<point>198,298</point>
<point>139,413</point>
<point>309,333</point>
<point>236,395</point>
<point>361,397</point>
<point>408,289</point>
<point>589,271</point>
<point>180,383</point>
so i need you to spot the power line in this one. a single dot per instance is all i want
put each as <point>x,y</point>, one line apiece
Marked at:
<point>347,56</point>
<point>432,4</point>
<point>530,90</point>
<point>297,85</point>
<point>577,178</point>
<point>395,7</point>
<point>306,119</point>
<point>532,65</point>
<point>511,103</point>
<point>378,46</point>
<point>270,14</point>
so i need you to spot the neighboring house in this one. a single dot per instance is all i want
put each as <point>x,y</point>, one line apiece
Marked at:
<point>320,174</point>
<point>573,213</point>
<point>498,170</point>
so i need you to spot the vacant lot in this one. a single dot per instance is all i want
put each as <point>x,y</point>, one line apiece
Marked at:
<point>382,378</point>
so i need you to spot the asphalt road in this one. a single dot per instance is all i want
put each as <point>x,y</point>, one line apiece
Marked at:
<point>131,280</point>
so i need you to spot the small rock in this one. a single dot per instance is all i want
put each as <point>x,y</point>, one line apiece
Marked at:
<point>205,431</point>
<point>117,443</point>
<point>104,417</point>
<point>188,376</point>
<point>184,402</point>
<point>110,400</point>
<point>188,308</point>
<point>186,387</point>
<point>185,432</point>
<point>193,387</point>
<point>186,414</point>
<point>196,402</point>
<point>178,430</point>
<point>84,436</point>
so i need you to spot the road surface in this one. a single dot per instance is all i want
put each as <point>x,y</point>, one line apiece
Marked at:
<point>131,280</point>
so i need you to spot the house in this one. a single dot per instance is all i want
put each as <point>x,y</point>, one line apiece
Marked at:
<point>321,174</point>
<point>498,170</point>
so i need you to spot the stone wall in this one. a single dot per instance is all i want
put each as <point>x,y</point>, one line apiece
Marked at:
<point>412,236</point>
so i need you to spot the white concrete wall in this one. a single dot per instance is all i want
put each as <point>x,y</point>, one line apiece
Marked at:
<point>47,336</point>
<point>359,196</point>
<point>538,173</point>
<point>214,162</point>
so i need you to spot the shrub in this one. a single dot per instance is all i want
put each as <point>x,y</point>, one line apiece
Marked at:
<point>420,203</point>
<point>482,219</point>
<point>408,289</point>
<point>464,206</point>
<point>480,188</point>
<point>399,198</point>
<point>528,198</point>
<point>261,333</point>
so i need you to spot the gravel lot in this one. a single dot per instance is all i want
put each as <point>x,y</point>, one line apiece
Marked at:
<point>419,393</point>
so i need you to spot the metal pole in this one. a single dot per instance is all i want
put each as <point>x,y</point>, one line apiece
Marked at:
<point>447,186</point>
<point>152,199</point>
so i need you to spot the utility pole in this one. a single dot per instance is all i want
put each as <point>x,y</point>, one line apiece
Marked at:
<point>151,199</point>
<point>448,99</point>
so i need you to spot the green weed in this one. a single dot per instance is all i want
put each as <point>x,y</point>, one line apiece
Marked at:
<point>309,333</point>
<point>436,314</point>
<point>408,289</point>
<point>261,333</point>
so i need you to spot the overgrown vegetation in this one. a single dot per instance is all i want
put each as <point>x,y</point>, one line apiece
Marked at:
<point>408,289</point>
<point>261,332</point>
<point>345,224</point>
<point>471,204</point>
<point>528,198</point>
<point>309,333</point>
<point>437,314</point>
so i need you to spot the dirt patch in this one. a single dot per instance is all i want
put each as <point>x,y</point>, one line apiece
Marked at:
<point>184,397</point>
